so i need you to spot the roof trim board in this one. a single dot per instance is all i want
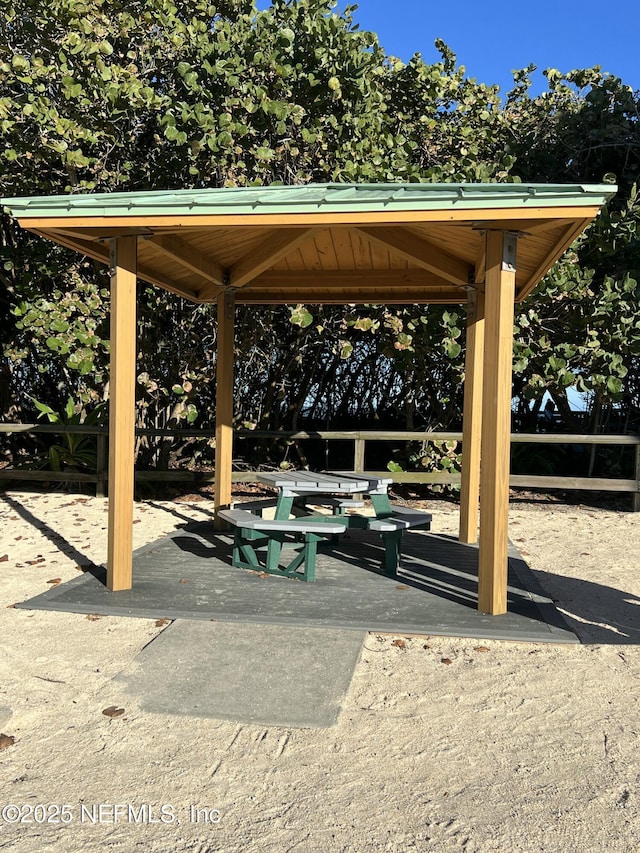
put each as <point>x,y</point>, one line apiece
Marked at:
<point>477,216</point>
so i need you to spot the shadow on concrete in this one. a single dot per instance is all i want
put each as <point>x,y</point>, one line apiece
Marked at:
<point>596,613</point>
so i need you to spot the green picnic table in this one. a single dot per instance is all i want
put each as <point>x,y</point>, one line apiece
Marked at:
<point>297,491</point>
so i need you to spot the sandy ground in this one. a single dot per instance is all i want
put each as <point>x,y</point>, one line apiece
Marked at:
<point>442,745</point>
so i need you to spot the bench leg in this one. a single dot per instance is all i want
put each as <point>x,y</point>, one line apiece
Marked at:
<point>392,542</point>
<point>310,551</point>
<point>245,554</point>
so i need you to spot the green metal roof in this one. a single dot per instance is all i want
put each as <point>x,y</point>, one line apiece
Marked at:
<point>325,198</point>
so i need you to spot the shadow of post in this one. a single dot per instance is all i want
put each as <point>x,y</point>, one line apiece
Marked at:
<point>82,561</point>
<point>597,613</point>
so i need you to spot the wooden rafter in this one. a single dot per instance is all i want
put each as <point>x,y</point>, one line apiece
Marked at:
<point>97,251</point>
<point>572,232</point>
<point>419,251</point>
<point>189,257</point>
<point>266,254</point>
<point>100,252</point>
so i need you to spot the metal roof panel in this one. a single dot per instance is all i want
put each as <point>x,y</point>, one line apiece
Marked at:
<point>324,198</point>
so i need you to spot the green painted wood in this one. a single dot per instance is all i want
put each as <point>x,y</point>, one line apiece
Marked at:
<point>253,535</point>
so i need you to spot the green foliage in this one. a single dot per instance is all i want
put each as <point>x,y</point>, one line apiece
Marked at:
<point>99,97</point>
<point>151,95</point>
<point>431,457</point>
<point>77,451</point>
<point>581,325</point>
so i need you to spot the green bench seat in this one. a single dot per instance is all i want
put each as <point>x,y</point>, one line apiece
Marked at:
<point>392,527</point>
<point>253,534</point>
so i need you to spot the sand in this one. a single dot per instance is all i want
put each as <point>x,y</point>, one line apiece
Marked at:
<point>442,744</point>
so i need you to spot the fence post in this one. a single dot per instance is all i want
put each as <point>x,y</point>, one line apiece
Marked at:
<point>636,494</point>
<point>101,457</point>
<point>358,454</point>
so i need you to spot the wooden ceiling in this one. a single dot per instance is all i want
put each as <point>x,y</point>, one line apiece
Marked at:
<point>341,256</point>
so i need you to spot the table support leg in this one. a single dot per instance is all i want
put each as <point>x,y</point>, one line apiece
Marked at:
<point>274,548</point>
<point>392,542</point>
<point>381,505</point>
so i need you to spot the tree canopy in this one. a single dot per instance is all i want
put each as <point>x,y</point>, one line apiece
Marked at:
<point>154,94</point>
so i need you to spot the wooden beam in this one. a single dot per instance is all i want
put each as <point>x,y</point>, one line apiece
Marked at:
<point>224,404</point>
<point>209,293</point>
<point>496,422</point>
<point>189,257</point>
<point>122,407</point>
<point>104,235</point>
<point>419,251</point>
<point>99,252</point>
<point>276,246</point>
<point>472,419</point>
<point>397,296</point>
<point>306,219</point>
<point>521,225</point>
<point>367,279</point>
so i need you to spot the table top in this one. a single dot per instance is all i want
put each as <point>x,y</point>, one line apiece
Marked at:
<point>347,482</point>
<point>374,481</point>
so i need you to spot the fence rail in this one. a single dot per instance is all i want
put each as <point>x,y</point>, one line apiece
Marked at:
<point>359,438</point>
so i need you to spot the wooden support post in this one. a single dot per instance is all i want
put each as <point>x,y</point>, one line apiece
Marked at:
<point>496,421</point>
<point>122,403</point>
<point>472,419</point>
<point>358,454</point>
<point>224,404</point>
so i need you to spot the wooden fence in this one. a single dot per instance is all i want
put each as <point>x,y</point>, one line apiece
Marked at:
<point>359,439</point>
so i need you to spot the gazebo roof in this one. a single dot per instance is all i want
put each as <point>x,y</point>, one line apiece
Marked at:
<point>330,243</point>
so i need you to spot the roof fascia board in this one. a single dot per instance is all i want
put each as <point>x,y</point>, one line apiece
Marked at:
<point>306,219</point>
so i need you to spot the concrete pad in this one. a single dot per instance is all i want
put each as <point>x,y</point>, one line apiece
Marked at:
<point>189,575</point>
<point>271,675</point>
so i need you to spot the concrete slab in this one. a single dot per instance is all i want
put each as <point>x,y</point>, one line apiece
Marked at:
<point>270,675</point>
<point>189,576</point>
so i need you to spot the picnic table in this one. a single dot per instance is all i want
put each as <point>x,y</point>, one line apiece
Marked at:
<point>297,493</point>
<point>292,486</point>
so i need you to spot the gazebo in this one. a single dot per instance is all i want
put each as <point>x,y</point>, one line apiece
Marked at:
<point>483,245</point>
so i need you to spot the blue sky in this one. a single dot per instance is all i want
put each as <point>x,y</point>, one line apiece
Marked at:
<point>490,37</point>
